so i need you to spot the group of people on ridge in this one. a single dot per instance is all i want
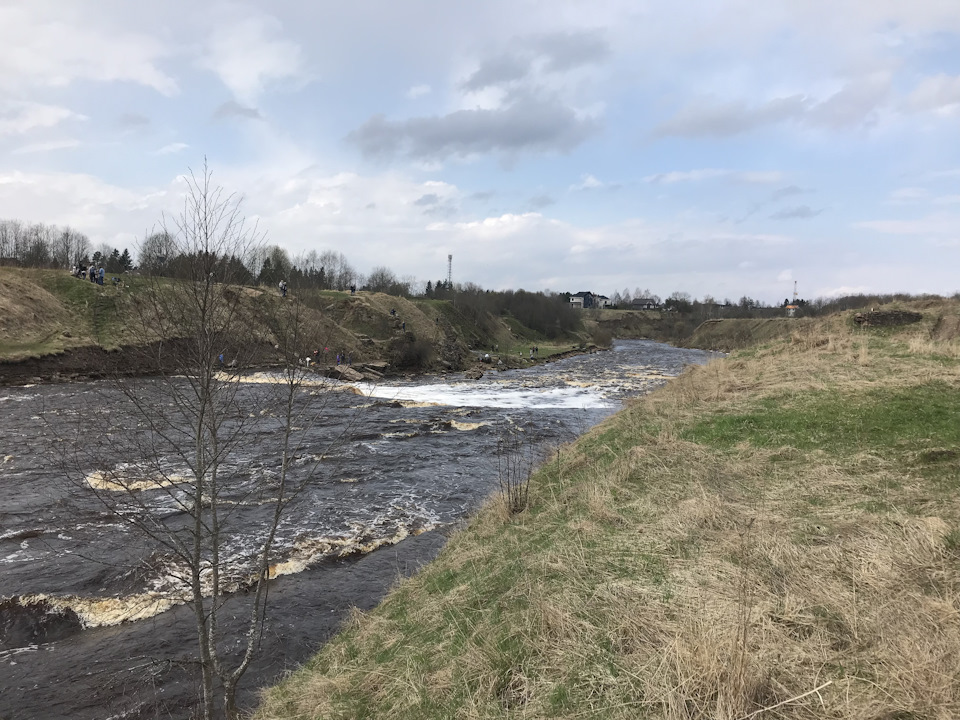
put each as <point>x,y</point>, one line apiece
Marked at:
<point>94,274</point>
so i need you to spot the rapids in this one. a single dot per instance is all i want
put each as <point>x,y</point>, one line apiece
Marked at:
<point>92,620</point>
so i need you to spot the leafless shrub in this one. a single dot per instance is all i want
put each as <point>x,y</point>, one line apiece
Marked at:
<point>514,466</point>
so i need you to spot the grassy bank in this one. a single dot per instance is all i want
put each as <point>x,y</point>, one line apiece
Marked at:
<point>45,313</point>
<point>774,535</point>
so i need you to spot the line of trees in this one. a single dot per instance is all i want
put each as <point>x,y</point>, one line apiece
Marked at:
<point>50,246</point>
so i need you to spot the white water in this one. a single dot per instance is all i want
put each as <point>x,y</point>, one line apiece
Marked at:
<point>494,394</point>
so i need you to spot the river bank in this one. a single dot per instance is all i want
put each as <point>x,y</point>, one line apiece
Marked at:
<point>56,328</point>
<point>774,534</point>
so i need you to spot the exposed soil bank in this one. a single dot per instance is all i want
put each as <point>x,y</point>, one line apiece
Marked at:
<point>92,362</point>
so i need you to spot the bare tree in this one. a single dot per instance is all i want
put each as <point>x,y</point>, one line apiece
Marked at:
<point>155,252</point>
<point>183,479</point>
<point>340,274</point>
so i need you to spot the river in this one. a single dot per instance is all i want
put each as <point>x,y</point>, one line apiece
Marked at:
<point>90,625</point>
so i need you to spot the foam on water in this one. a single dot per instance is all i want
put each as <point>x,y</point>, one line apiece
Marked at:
<point>490,395</point>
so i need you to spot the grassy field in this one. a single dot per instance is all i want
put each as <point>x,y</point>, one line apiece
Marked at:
<point>773,535</point>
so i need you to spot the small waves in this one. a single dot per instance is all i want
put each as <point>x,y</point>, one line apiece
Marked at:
<point>43,617</point>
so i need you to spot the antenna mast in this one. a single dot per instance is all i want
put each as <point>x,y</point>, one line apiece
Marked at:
<point>794,292</point>
<point>449,271</point>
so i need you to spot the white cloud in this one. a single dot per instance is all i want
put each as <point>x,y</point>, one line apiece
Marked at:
<point>587,182</point>
<point>832,292</point>
<point>908,195</point>
<point>43,147</point>
<point>940,93</point>
<point>938,224</point>
<point>686,176</point>
<point>171,149</point>
<point>54,44</point>
<point>750,176</point>
<point>17,118</point>
<point>785,276</point>
<point>418,91</point>
<point>247,56</point>
<point>947,200</point>
<point>100,209</point>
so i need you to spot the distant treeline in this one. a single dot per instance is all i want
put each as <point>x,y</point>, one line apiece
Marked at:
<point>550,314</point>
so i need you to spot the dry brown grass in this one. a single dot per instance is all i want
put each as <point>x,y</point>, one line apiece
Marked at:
<point>657,576</point>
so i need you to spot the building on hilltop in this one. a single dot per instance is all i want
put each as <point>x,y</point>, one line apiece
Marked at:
<point>582,300</point>
<point>644,304</point>
<point>586,300</point>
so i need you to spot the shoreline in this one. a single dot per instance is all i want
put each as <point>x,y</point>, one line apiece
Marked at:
<point>93,362</point>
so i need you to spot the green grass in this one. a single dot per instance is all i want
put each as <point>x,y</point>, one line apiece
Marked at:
<point>887,421</point>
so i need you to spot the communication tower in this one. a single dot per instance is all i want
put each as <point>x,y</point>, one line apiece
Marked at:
<point>449,271</point>
<point>793,307</point>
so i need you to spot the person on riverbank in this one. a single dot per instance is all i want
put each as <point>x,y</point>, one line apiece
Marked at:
<point>100,275</point>
<point>283,288</point>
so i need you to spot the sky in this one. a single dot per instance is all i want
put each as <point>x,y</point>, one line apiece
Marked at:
<point>714,147</point>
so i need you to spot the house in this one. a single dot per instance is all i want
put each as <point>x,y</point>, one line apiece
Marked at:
<point>582,300</point>
<point>601,301</point>
<point>644,304</point>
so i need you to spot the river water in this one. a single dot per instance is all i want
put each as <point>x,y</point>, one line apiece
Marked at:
<point>90,622</point>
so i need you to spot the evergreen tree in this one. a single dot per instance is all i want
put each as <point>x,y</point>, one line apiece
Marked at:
<point>113,262</point>
<point>267,274</point>
<point>126,262</point>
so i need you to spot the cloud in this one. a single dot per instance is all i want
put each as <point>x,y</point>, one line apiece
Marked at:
<point>908,195</point>
<point>565,51</point>
<point>18,118</point>
<point>939,93</point>
<point>785,276</point>
<point>541,201</point>
<point>685,176</point>
<point>843,291</point>
<point>55,44</point>
<point>544,54</point>
<point>171,149</point>
<point>788,191</point>
<point>104,211</point>
<point>587,182</point>
<point>46,146</point>
<point>428,199</point>
<point>247,56</point>
<point>527,125</point>
<point>708,117</point>
<point>852,105</point>
<point>775,196</point>
<point>745,176</point>
<point>801,212</point>
<point>232,109</point>
<point>497,71</point>
<point>133,120</point>
<point>938,224</point>
<point>418,91</point>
